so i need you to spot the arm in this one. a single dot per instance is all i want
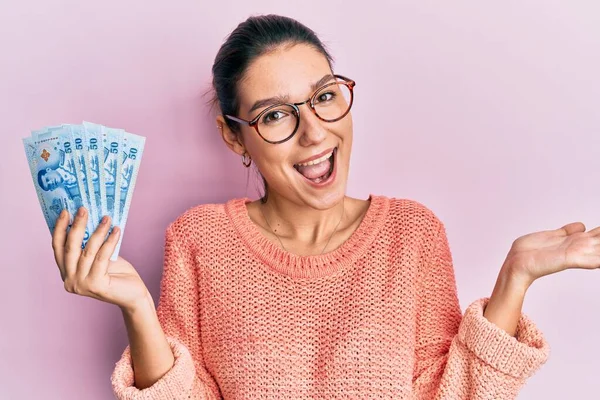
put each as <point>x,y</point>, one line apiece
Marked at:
<point>505,304</point>
<point>178,372</point>
<point>151,354</point>
<point>468,357</point>
<point>533,256</point>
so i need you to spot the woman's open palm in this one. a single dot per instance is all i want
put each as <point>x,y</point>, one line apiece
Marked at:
<point>547,252</point>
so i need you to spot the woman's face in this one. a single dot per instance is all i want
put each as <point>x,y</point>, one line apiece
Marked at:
<point>293,74</point>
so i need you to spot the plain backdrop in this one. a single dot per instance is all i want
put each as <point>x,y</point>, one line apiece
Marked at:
<point>486,112</point>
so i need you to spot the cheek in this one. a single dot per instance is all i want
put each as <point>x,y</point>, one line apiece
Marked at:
<point>345,128</point>
<point>272,162</point>
<point>256,147</point>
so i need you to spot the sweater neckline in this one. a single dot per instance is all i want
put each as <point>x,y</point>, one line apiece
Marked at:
<point>310,266</point>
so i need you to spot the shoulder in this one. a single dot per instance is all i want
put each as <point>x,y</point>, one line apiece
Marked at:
<point>412,212</point>
<point>199,221</point>
<point>411,217</point>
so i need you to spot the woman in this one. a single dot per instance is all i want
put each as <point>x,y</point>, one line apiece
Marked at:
<point>309,293</point>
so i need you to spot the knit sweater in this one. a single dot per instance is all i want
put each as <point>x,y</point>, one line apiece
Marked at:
<point>377,317</point>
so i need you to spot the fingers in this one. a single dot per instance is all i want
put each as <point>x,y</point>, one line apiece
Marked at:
<point>59,237</point>
<point>100,265</point>
<point>572,228</point>
<point>595,231</point>
<point>74,241</point>
<point>94,243</point>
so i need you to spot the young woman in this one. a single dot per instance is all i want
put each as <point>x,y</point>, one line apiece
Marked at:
<point>309,293</point>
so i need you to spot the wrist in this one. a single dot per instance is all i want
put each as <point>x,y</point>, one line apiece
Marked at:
<point>514,276</point>
<point>143,305</point>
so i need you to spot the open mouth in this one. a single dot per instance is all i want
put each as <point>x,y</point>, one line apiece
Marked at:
<point>320,171</point>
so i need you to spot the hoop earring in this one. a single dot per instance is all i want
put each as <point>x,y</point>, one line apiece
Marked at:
<point>248,162</point>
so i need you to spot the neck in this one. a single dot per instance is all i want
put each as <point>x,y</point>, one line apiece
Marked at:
<point>302,223</point>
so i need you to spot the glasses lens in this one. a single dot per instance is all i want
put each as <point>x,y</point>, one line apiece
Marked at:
<point>333,101</point>
<point>278,123</point>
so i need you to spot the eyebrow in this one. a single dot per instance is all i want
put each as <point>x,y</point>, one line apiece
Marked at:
<point>284,99</point>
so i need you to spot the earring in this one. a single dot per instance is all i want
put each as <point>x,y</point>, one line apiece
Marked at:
<point>248,162</point>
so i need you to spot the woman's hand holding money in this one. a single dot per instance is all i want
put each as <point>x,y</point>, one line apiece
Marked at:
<point>89,271</point>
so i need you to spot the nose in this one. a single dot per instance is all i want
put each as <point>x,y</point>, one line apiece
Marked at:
<point>311,129</point>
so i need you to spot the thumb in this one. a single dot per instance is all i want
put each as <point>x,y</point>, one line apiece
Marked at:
<point>573,227</point>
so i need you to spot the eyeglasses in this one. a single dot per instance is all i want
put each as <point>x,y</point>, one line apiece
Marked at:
<point>278,123</point>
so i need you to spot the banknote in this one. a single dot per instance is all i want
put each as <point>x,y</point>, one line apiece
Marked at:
<point>132,149</point>
<point>55,176</point>
<point>111,140</point>
<point>95,161</point>
<point>81,157</point>
<point>84,165</point>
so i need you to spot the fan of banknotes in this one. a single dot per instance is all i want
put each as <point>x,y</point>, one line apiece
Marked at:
<point>86,165</point>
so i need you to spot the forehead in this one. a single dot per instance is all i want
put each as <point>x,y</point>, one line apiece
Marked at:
<point>289,70</point>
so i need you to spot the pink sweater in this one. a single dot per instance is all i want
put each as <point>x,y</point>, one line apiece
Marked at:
<point>378,317</point>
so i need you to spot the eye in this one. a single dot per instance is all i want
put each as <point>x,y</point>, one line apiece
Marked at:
<point>273,116</point>
<point>325,97</point>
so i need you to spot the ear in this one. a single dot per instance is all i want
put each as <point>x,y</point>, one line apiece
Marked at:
<point>233,140</point>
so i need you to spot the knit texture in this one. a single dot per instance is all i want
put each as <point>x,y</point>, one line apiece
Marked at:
<point>376,318</point>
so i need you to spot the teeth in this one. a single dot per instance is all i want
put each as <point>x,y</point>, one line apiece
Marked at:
<point>318,160</point>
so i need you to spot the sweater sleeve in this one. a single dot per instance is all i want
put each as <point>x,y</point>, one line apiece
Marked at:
<point>467,357</point>
<point>178,313</point>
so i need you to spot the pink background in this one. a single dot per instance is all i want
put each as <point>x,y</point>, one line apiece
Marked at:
<point>487,113</point>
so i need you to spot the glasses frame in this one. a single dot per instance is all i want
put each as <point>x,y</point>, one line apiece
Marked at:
<point>254,122</point>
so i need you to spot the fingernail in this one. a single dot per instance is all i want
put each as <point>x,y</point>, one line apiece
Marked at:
<point>62,214</point>
<point>80,212</point>
<point>104,220</point>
